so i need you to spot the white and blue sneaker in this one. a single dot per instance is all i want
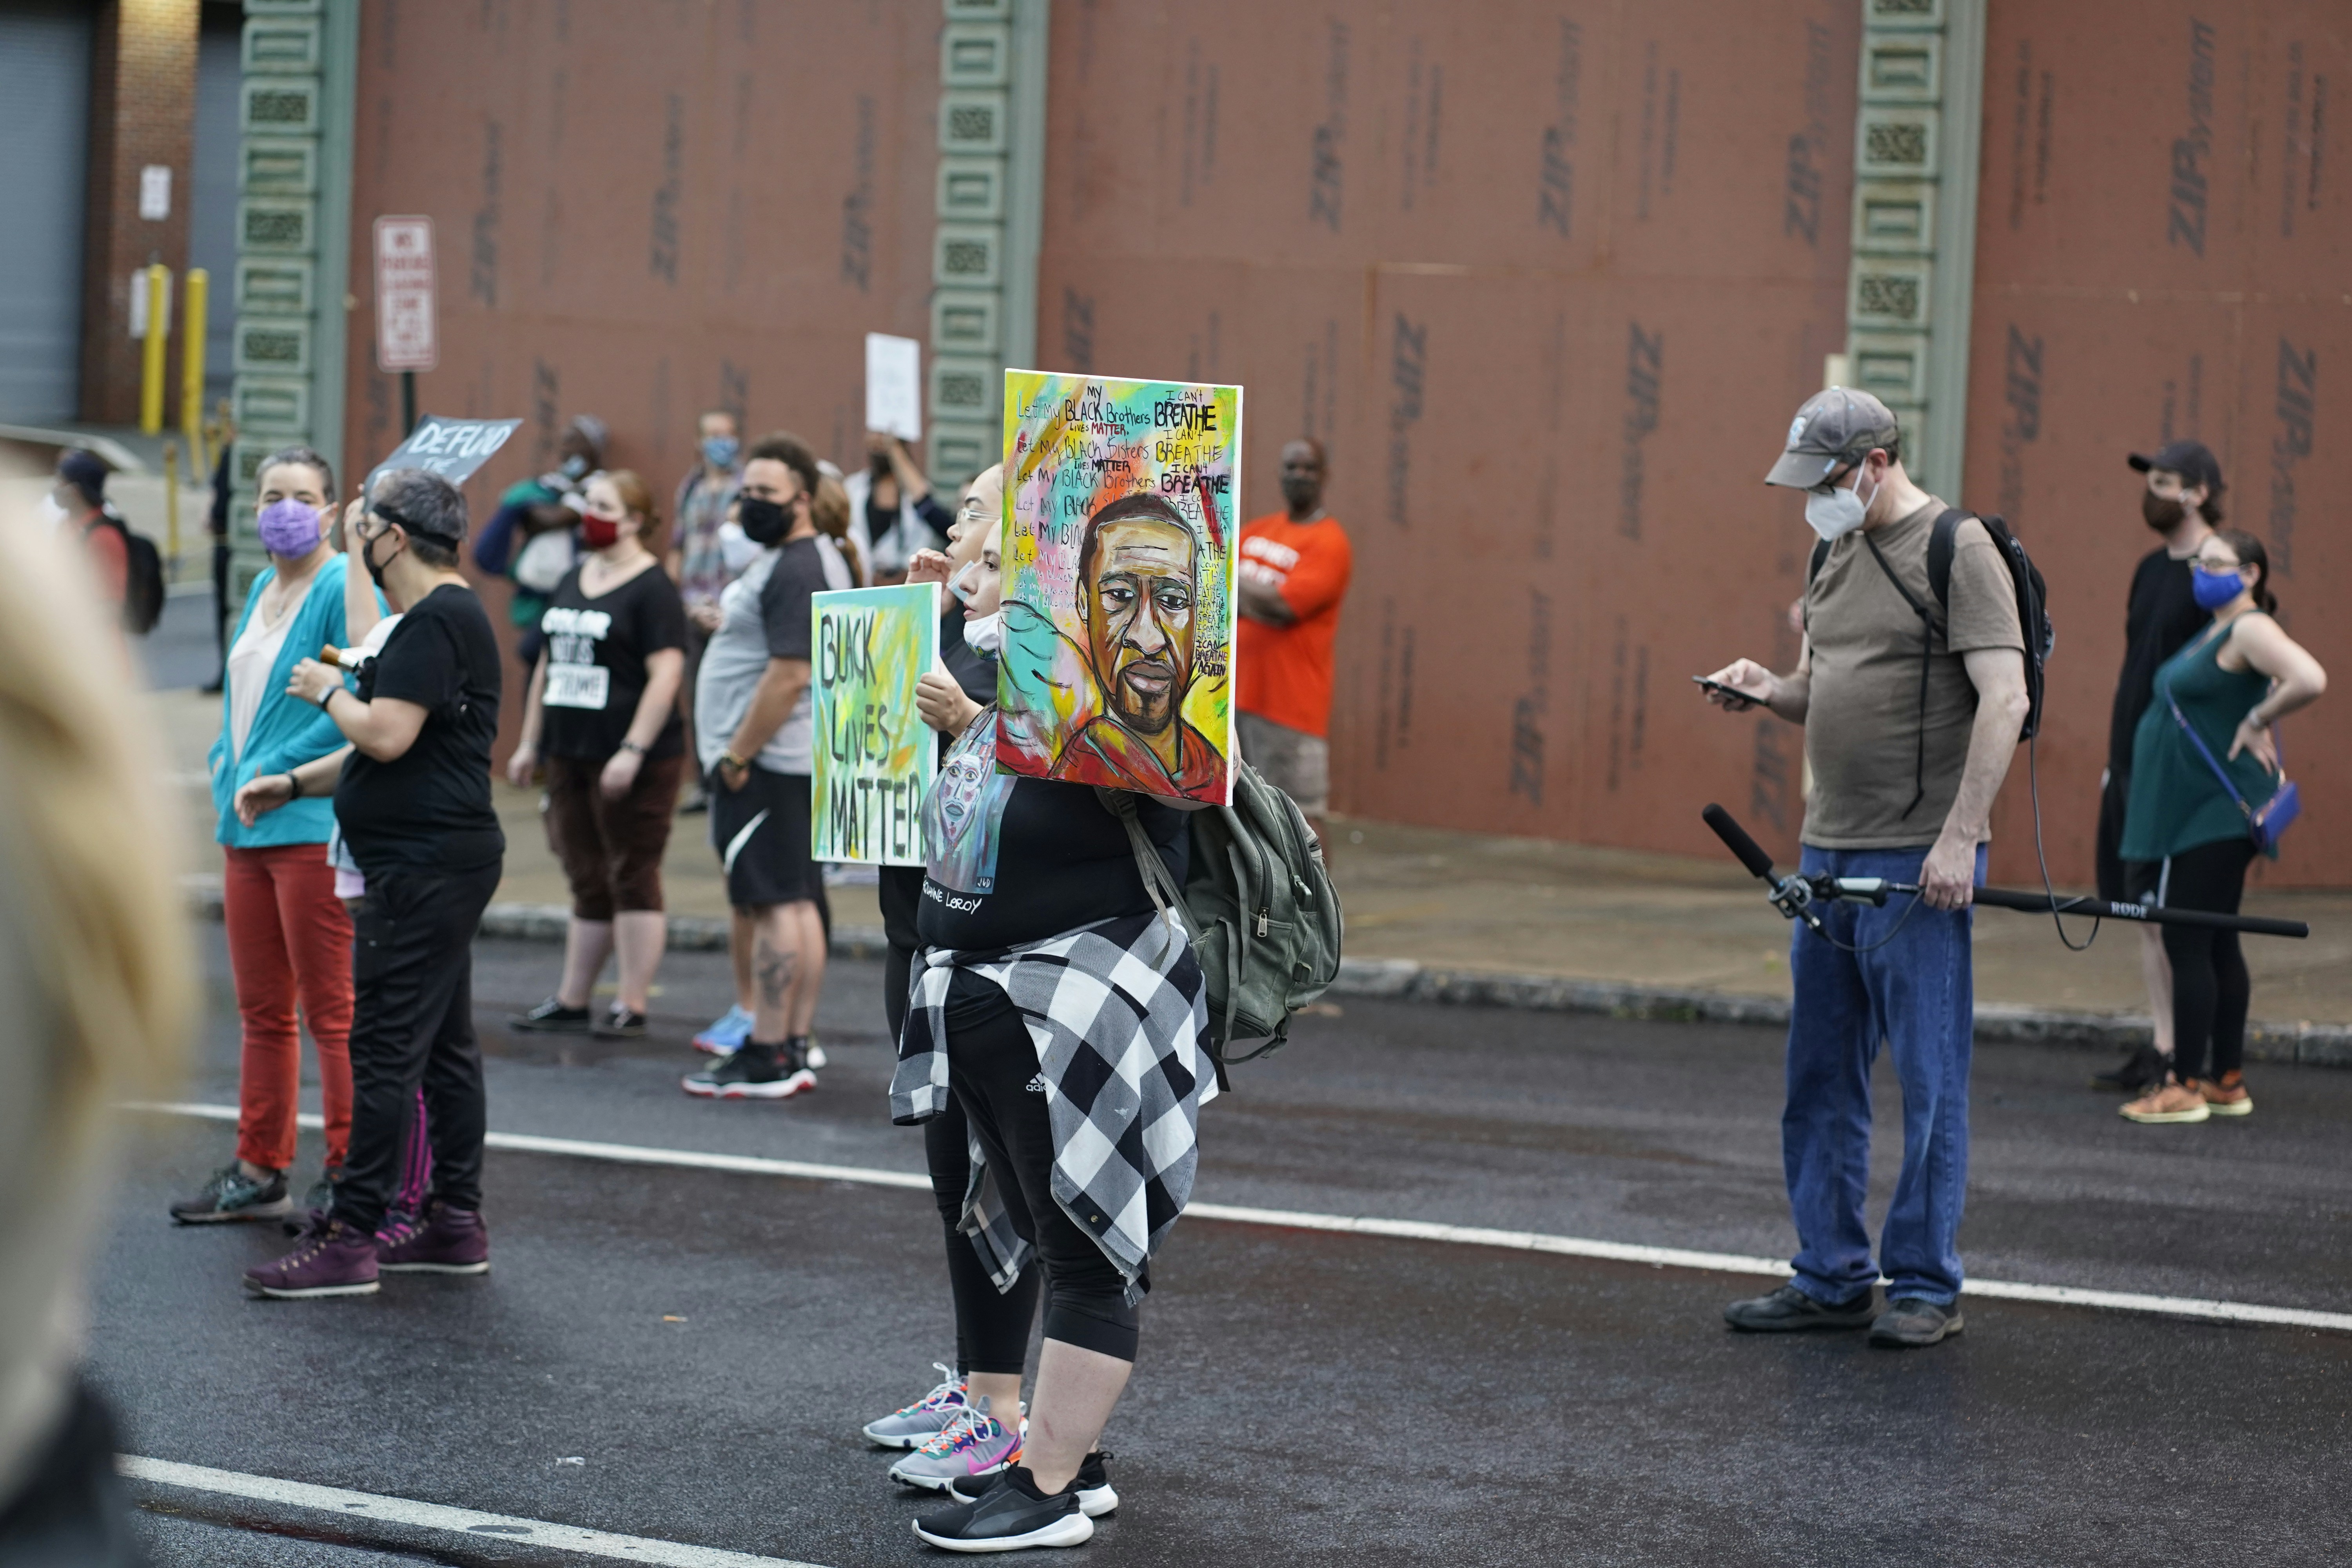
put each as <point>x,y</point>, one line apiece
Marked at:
<point>726,1036</point>
<point>972,1445</point>
<point>920,1421</point>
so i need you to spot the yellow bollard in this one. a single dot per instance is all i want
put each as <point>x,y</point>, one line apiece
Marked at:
<point>151,376</point>
<point>170,511</point>
<point>192,322</point>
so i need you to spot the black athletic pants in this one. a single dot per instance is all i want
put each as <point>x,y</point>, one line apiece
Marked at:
<point>991,1064</point>
<point>2210,988</point>
<point>991,1327</point>
<point>412,1024</point>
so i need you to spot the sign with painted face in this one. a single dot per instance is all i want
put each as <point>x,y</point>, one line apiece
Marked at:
<point>1121,524</point>
<point>875,758</point>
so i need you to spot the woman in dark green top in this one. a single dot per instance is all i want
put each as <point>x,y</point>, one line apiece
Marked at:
<point>2186,828</point>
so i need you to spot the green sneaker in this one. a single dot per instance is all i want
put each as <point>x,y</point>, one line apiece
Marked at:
<point>231,1195</point>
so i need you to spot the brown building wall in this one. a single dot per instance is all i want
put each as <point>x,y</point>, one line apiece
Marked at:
<point>143,107</point>
<point>2165,249</point>
<point>1549,281</point>
<point>642,211</point>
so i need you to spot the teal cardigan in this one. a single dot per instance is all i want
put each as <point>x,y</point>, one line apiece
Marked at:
<point>287,731</point>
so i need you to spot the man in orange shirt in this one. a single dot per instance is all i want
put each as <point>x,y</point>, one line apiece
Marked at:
<point>1293,571</point>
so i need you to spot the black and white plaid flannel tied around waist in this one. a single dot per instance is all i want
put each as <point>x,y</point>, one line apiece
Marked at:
<point>1119,1016</point>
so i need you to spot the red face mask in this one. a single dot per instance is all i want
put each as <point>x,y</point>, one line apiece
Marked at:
<point>600,532</point>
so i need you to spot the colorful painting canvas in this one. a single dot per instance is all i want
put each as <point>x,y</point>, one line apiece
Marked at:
<point>1121,503</point>
<point>875,758</point>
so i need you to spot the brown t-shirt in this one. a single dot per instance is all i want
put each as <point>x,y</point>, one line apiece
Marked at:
<point>1861,727</point>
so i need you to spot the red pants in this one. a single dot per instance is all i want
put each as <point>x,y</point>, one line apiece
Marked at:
<point>288,937</point>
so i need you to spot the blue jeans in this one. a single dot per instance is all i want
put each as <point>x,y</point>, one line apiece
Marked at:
<point>1917,994</point>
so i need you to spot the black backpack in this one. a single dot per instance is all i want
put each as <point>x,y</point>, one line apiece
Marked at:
<point>142,576</point>
<point>2032,613</point>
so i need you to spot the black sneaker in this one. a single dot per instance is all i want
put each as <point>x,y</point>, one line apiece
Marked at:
<point>756,1072</point>
<point>804,1050</point>
<point>1910,1324</point>
<point>2143,1069</point>
<point>620,1024</point>
<point>231,1195</point>
<point>1095,1497</point>
<point>1013,1514</point>
<point>551,1017</point>
<point>1788,1308</point>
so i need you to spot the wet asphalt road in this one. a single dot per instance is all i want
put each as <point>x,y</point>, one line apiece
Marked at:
<point>1301,1397</point>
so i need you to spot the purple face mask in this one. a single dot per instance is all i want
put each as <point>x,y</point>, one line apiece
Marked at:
<point>288,528</point>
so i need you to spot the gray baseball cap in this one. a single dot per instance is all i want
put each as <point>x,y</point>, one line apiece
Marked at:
<point>1835,427</point>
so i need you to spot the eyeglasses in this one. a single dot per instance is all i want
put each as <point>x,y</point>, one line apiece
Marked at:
<point>2217,568</point>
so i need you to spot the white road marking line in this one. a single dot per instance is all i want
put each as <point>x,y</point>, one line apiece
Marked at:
<point>1400,1229</point>
<point>434,1516</point>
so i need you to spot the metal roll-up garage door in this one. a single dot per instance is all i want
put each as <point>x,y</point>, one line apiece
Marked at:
<point>43,156</point>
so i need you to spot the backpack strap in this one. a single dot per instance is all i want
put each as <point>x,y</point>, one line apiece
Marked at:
<point>1943,542</point>
<point>1813,566</point>
<point>1926,663</point>
<point>1166,896</point>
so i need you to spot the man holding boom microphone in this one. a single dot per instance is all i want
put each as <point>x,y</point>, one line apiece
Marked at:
<point>1908,746</point>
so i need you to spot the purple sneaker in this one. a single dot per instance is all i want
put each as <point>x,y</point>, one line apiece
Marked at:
<point>449,1241</point>
<point>331,1259</point>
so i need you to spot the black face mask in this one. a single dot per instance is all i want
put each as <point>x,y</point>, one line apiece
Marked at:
<point>2161,515</point>
<point>764,522</point>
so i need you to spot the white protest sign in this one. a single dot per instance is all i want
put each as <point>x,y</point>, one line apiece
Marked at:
<point>452,448</point>
<point>894,385</point>
<point>406,336</point>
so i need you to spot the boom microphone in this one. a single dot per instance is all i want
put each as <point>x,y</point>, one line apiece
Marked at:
<point>1750,853</point>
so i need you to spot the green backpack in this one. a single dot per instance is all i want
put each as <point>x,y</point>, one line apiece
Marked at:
<point>1258,905</point>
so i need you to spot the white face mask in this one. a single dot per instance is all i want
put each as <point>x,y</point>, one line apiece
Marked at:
<point>735,546</point>
<point>1839,512</point>
<point>53,511</point>
<point>985,635</point>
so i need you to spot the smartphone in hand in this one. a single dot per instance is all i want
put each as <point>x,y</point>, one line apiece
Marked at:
<point>1734,700</point>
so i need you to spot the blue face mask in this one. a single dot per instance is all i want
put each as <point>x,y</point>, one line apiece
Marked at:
<point>720,451</point>
<point>2212,590</point>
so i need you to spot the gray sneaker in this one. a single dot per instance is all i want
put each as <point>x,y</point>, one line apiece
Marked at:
<point>920,1421</point>
<point>231,1195</point>
<point>1911,1323</point>
<point>971,1444</point>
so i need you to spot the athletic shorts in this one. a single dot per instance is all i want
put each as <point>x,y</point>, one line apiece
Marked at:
<point>761,834</point>
<point>1292,761</point>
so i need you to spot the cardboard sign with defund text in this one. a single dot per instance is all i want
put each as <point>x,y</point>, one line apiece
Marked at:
<point>875,758</point>
<point>452,448</point>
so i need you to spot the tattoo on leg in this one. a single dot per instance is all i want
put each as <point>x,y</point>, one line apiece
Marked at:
<point>775,976</point>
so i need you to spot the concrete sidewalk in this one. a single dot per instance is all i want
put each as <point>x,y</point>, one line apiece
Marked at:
<point>1530,923</point>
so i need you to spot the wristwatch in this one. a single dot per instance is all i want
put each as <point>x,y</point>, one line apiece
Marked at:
<point>730,760</point>
<point>326,698</point>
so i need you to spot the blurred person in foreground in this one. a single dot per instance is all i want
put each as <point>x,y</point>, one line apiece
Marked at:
<point>755,735</point>
<point>1905,763</point>
<point>603,711</point>
<point>413,801</point>
<point>2204,762</point>
<point>2181,501</point>
<point>699,561</point>
<point>533,537</point>
<point>289,938</point>
<point>892,512</point>
<point>97,985</point>
<point>1293,571</point>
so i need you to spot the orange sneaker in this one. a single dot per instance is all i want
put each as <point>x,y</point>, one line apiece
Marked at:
<point>2169,1101</point>
<point>2227,1096</point>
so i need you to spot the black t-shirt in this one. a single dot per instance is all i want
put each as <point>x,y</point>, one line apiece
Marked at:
<point>1015,859</point>
<point>596,652</point>
<point>2160,619</point>
<point>429,809</point>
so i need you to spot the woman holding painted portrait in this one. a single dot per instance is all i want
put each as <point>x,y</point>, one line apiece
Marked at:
<point>603,711</point>
<point>289,938</point>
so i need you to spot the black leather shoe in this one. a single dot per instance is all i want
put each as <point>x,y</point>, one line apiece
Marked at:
<point>1009,1516</point>
<point>2143,1069</point>
<point>1787,1309</point>
<point>1910,1324</point>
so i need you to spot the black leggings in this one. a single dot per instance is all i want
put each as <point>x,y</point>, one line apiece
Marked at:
<point>991,1061</point>
<point>2211,989</point>
<point>991,1327</point>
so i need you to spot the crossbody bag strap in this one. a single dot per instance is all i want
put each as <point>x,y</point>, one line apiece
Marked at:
<point>1926,665</point>
<point>2206,751</point>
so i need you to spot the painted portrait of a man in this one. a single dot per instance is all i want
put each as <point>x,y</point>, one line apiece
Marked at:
<point>1138,591</point>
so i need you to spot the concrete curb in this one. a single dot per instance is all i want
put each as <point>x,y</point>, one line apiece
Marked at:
<point>1404,979</point>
